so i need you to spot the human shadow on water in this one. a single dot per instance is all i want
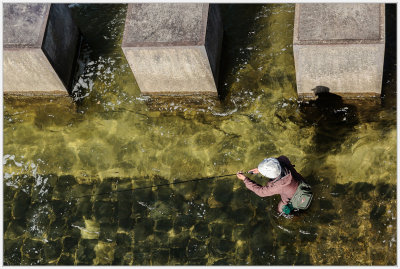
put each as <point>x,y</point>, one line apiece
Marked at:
<point>333,118</point>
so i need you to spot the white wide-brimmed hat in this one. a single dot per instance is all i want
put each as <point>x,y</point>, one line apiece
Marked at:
<point>270,168</point>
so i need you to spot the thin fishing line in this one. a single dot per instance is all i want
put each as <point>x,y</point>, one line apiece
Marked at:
<point>154,186</point>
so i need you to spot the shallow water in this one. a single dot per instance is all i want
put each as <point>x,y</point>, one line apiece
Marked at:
<point>113,139</point>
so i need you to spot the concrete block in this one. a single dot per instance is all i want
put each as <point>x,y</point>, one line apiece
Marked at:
<point>40,48</point>
<point>174,48</point>
<point>339,46</point>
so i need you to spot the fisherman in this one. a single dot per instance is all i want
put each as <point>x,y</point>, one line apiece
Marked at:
<point>284,180</point>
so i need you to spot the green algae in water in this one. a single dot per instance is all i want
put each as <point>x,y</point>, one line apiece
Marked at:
<point>111,138</point>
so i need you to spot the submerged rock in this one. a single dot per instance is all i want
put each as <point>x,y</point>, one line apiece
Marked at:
<point>57,229</point>
<point>66,260</point>
<point>185,221</point>
<point>196,249</point>
<point>220,247</point>
<point>141,258</point>
<point>12,251</point>
<point>124,240</point>
<point>104,211</point>
<point>32,248</point>
<point>70,243</point>
<point>160,257</point>
<point>143,228</point>
<point>21,204</point>
<point>201,231</point>
<point>177,256</point>
<point>85,253</point>
<point>15,229</point>
<point>164,225</point>
<point>108,232</point>
<point>52,250</point>
<point>223,192</point>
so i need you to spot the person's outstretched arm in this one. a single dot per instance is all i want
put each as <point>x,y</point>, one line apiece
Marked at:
<point>261,191</point>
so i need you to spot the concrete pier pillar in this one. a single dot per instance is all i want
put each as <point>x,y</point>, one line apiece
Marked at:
<point>40,47</point>
<point>174,48</point>
<point>339,46</point>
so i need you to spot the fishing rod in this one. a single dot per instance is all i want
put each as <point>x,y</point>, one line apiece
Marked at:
<point>159,185</point>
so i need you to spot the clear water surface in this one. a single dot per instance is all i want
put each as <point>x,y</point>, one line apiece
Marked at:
<point>110,138</point>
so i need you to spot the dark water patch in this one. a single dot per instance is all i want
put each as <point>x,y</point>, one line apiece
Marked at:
<point>85,253</point>
<point>220,247</point>
<point>241,232</point>
<point>161,239</point>
<point>224,214</point>
<point>122,256</point>
<point>223,192</point>
<point>325,204</point>
<point>164,194</point>
<point>12,251</point>
<point>21,204</point>
<point>242,215</point>
<point>377,212</point>
<point>261,236</point>
<point>141,258</point>
<point>147,196</point>
<point>340,189</point>
<point>104,189</point>
<point>70,243</point>
<point>81,191</point>
<point>7,212</point>
<point>84,207</point>
<point>66,260</point>
<point>302,258</point>
<point>177,256</point>
<point>125,223</point>
<point>143,228</point>
<point>201,230</point>
<point>124,240</point>
<point>108,232</point>
<point>363,189</point>
<point>196,249</point>
<point>32,248</point>
<point>241,198</point>
<point>104,212</point>
<point>164,225</point>
<point>57,229</point>
<point>60,208</point>
<point>160,257</point>
<point>308,234</point>
<point>238,23</point>
<point>16,228</point>
<point>62,189</point>
<point>52,250</point>
<point>217,230</point>
<point>180,239</point>
<point>194,262</point>
<point>386,191</point>
<point>185,221</point>
<point>222,262</point>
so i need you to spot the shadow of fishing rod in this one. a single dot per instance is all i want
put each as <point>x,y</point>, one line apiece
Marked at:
<point>156,186</point>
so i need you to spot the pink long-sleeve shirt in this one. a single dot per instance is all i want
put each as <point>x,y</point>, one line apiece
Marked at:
<point>285,186</point>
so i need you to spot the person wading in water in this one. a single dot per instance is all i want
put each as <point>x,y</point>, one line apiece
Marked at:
<point>284,180</point>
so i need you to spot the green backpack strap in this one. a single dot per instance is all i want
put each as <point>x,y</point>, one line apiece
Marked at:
<point>302,197</point>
